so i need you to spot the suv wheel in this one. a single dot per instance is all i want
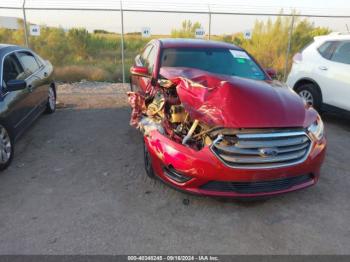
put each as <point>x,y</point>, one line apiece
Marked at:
<point>311,95</point>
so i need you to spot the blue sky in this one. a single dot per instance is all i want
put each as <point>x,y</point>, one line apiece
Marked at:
<point>163,23</point>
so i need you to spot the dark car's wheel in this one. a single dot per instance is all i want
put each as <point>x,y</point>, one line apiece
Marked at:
<point>148,162</point>
<point>6,147</point>
<point>51,100</point>
<point>311,95</point>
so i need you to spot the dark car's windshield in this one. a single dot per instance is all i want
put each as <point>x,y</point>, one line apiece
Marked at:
<point>218,61</point>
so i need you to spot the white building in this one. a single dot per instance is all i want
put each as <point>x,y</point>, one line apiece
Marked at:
<point>9,22</point>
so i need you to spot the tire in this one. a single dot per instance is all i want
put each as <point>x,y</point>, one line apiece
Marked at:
<point>148,162</point>
<point>311,95</point>
<point>6,147</point>
<point>51,100</point>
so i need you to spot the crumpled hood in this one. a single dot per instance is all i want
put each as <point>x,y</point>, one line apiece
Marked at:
<point>234,102</point>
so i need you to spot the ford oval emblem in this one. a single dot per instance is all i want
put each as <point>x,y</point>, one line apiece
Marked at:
<point>268,152</point>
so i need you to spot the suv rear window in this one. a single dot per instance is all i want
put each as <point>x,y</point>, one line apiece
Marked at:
<point>326,49</point>
<point>342,53</point>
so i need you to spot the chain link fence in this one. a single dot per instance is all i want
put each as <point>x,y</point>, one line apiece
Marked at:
<point>91,42</point>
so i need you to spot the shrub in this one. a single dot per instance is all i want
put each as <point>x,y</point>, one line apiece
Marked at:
<point>75,73</point>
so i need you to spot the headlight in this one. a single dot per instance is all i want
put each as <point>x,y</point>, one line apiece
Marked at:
<point>317,129</point>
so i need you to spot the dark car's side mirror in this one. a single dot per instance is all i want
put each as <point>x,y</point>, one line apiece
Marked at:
<point>14,85</point>
<point>140,71</point>
<point>271,72</point>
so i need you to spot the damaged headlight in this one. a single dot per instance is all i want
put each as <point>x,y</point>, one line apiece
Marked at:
<point>317,129</point>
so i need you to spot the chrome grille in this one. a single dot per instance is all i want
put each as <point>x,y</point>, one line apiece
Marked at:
<point>262,150</point>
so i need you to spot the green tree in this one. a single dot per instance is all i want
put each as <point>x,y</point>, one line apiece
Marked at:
<point>238,39</point>
<point>78,40</point>
<point>187,30</point>
<point>304,33</point>
<point>269,41</point>
<point>51,44</point>
<point>11,36</point>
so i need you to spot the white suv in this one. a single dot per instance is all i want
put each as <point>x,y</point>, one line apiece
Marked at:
<point>321,72</point>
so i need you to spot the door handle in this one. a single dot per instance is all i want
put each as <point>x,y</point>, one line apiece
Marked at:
<point>324,68</point>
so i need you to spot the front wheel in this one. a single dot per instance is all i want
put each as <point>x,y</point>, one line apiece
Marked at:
<point>148,162</point>
<point>51,100</point>
<point>6,148</point>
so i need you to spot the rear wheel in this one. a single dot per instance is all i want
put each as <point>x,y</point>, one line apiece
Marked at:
<point>6,148</point>
<point>51,100</point>
<point>311,95</point>
<point>148,162</point>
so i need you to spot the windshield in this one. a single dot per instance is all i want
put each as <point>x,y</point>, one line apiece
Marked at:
<point>218,61</point>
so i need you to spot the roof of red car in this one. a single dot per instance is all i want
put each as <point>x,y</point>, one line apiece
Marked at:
<point>186,42</point>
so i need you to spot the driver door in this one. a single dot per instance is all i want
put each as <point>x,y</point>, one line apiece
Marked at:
<point>17,102</point>
<point>332,74</point>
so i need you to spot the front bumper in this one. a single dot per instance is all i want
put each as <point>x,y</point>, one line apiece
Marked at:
<point>204,169</point>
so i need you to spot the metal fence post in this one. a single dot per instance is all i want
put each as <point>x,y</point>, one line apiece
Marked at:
<point>25,24</point>
<point>209,30</point>
<point>122,40</point>
<point>288,48</point>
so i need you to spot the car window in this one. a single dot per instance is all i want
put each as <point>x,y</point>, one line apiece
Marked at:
<point>145,54</point>
<point>29,62</point>
<point>151,59</point>
<point>326,49</point>
<point>12,69</point>
<point>215,60</point>
<point>342,53</point>
<point>40,61</point>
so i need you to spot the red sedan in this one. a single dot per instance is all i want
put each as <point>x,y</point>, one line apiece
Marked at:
<point>215,123</point>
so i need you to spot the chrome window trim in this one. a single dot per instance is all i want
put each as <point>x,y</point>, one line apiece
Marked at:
<point>266,135</point>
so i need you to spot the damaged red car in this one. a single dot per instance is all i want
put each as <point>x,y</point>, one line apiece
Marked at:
<point>215,123</point>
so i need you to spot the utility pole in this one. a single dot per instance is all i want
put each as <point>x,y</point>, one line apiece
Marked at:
<point>209,30</point>
<point>122,40</point>
<point>288,48</point>
<point>25,24</point>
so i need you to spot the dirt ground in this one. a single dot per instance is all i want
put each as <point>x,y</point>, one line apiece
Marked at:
<point>77,186</point>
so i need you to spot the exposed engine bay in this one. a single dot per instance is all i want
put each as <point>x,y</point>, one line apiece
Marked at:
<point>164,112</point>
<point>196,108</point>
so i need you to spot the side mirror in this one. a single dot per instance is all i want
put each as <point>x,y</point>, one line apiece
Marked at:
<point>14,85</point>
<point>271,72</point>
<point>140,71</point>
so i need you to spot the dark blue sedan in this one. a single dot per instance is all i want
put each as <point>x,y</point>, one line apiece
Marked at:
<point>27,90</point>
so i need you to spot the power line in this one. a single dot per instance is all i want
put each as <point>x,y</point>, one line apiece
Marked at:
<point>170,7</point>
